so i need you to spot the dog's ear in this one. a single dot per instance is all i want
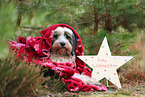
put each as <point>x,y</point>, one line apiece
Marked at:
<point>52,41</point>
<point>74,44</point>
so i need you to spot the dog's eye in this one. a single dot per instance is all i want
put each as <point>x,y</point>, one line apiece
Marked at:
<point>68,37</point>
<point>55,36</point>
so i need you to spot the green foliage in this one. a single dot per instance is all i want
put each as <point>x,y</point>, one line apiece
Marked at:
<point>19,79</point>
<point>7,27</point>
<point>52,82</point>
<point>126,13</point>
<point>125,92</point>
<point>7,21</point>
<point>119,42</point>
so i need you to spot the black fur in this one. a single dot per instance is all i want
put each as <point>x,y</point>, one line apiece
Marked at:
<point>74,45</point>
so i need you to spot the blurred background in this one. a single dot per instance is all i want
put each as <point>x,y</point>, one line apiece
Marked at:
<point>122,21</point>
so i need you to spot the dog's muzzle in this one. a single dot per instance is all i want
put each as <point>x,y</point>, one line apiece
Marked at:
<point>62,50</point>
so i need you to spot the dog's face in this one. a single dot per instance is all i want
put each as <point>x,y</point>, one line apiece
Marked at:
<point>64,41</point>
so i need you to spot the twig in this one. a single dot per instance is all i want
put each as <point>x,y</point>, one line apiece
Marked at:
<point>32,27</point>
<point>33,90</point>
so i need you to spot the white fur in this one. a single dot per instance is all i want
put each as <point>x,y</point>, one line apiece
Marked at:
<point>61,59</point>
<point>61,30</point>
<point>86,79</point>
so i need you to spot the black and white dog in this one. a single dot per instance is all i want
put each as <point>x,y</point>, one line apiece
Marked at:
<point>63,46</point>
<point>63,50</point>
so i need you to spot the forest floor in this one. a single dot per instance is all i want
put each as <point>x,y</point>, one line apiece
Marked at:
<point>128,90</point>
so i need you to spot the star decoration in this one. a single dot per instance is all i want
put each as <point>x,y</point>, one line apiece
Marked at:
<point>105,65</point>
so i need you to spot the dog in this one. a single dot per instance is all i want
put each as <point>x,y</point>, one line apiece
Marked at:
<point>63,50</point>
<point>63,45</point>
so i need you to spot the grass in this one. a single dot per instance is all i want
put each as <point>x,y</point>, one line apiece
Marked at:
<point>52,82</point>
<point>138,91</point>
<point>19,79</point>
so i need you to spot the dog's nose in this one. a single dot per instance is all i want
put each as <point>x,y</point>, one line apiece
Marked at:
<point>62,43</point>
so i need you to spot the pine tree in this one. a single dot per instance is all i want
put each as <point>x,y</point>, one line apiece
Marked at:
<point>110,14</point>
<point>86,16</point>
<point>105,17</point>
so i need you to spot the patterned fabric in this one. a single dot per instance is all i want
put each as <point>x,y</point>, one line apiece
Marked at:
<point>38,50</point>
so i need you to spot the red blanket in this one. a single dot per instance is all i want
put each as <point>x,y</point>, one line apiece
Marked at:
<point>38,50</point>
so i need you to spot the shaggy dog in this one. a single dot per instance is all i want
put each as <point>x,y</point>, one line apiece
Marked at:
<point>63,45</point>
<point>63,50</point>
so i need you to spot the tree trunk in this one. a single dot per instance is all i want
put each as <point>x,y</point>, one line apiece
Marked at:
<point>108,24</point>
<point>19,19</point>
<point>96,22</point>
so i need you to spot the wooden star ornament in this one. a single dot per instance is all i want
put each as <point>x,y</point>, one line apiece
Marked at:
<point>105,65</point>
